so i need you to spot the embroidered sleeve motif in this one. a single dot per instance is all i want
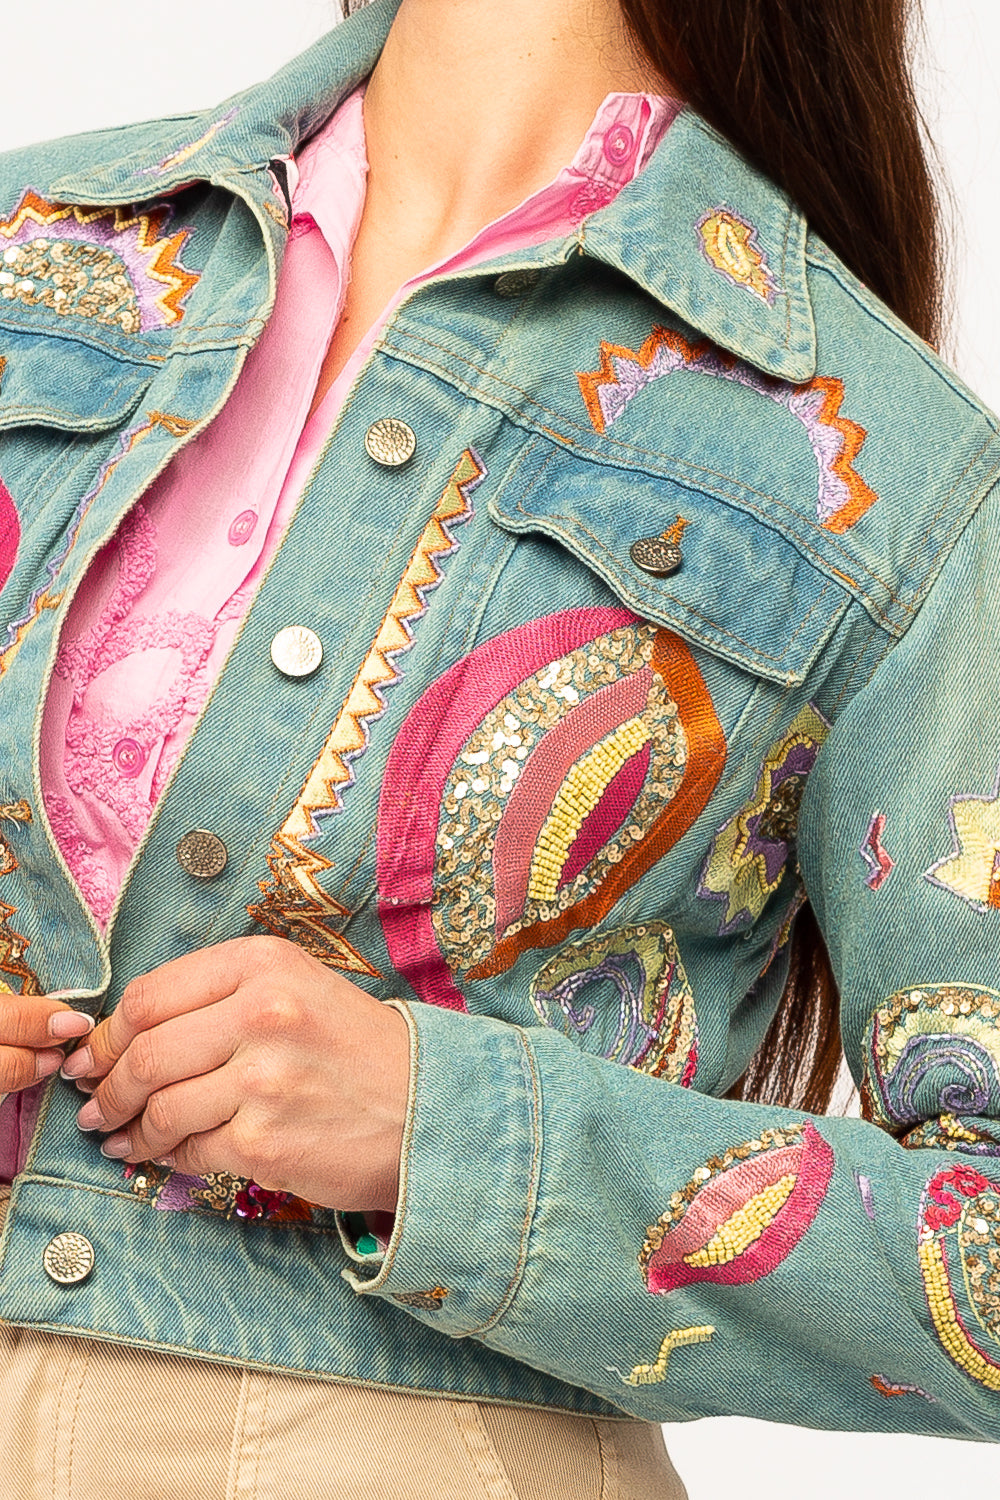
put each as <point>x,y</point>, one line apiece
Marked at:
<point>972,869</point>
<point>678,1338</point>
<point>960,1221</point>
<point>934,1051</point>
<point>741,1214</point>
<point>747,860</point>
<point>533,784</point>
<point>294,904</point>
<point>842,498</point>
<point>730,244</point>
<point>15,976</point>
<point>890,1388</point>
<point>102,264</point>
<point>10,534</point>
<point>879,862</point>
<point>625,996</point>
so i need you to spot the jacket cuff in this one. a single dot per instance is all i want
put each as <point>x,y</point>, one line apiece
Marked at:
<point>468,1173</point>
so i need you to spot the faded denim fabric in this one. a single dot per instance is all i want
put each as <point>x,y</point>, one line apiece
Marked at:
<point>558,808</point>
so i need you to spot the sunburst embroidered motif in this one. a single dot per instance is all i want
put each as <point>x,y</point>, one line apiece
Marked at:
<point>105,264</point>
<point>843,497</point>
<point>730,244</point>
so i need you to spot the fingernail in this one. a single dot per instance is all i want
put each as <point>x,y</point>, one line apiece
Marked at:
<point>79,1063</point>
<point>84,1086</point>
<point>166,1161</point>
<point>46,1062</point>
<point>115,1146</point>
<point>90,1117</point>
<point>70,1023</point>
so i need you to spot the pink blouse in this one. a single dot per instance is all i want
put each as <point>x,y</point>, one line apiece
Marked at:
<point>161,605</point>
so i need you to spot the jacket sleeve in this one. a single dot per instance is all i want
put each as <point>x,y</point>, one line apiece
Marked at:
<point>681,1255</point>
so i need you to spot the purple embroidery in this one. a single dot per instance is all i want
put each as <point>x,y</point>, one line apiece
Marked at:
<point>865,1189</point>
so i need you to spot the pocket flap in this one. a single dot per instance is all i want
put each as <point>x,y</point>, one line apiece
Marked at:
<point>65,384</point>
<point>743,590</point>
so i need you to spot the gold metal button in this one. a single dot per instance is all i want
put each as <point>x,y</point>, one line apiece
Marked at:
<point>390,442</point>
<point>202,854</point>
<point>516,283</point>
<point>69,1258</point>
<point>296,651</point>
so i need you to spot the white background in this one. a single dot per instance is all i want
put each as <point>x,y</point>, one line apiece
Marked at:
<point>80,64</point>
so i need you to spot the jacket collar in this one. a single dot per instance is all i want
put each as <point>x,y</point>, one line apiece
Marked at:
<point>699,230</point>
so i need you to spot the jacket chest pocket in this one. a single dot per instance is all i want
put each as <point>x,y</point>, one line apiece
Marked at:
<point>545,775</point>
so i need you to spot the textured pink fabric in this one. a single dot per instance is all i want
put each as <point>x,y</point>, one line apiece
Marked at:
<point>161,605</point>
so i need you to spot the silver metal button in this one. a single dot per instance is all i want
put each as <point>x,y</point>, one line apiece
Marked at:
<point>202,854</point>
<point>653,554</point>
<point>390,442</point>
<point>296,651</point>
<point>516,283</point>
<point>69,1258</point>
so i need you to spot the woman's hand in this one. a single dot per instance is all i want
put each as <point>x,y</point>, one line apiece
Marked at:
<point>31,1030</point>
<point>252,1058</point>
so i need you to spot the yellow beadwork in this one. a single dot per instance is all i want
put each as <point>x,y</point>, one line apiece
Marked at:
<point>743,1227</point>
<point>945,1318</point>
<point>576,799</point>
<point>655,1373</point>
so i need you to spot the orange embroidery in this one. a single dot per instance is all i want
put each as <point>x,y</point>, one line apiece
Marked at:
<point>843,496</point>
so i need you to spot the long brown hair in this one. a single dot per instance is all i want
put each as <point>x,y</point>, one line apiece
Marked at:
<point>818,94</point>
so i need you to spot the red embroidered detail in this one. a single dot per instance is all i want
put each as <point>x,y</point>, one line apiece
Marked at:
<point>836,441</point>
<point>295,905</point>
<point>880,863</point>
<point>103,264</point>
<point>963,1204</point>
<point>741,1214</point>
<point>891,1388</point>
<point>12,945</point>
<point>504,773</point>
<point>10,534</point>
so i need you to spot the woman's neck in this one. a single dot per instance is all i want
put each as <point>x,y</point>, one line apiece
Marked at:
<point>475,104</point>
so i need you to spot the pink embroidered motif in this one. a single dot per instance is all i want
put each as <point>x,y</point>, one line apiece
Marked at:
<point>742,1214</point>
<point>880,863</point>
<point>10,534</point>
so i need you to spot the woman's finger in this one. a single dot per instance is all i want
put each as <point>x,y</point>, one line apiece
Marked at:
<point>38,1021</point>
<point>20,1067</point>
<point>186,1046</point>
<point>184,985</point>
<point>191,1107</point>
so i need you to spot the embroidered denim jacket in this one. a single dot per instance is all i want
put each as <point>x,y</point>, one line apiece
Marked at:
<point>558,806</point>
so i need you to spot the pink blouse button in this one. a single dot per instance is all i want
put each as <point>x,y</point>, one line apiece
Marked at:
<point>242,528</point>
<point>619,143</point>
<point>129,757</point>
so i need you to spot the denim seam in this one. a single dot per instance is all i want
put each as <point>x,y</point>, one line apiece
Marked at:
<point>41,412</point>
<point>520,417</point>
<point>614,571</point>
<point>531,1198</point>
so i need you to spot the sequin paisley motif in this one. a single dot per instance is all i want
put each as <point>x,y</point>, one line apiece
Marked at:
<point>742,1213</point>
<point>532,785</point>
<point>217,1193</point>
<point>625,996</point>
<point>110,266</point>
<point>934,1050</point>
<point>959,1224</point>
<point>750,853</point>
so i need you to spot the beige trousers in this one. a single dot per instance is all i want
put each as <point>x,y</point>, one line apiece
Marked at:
<point>86,1420</point>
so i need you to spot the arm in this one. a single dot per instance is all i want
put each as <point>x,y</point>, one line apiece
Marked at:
<point>685,1255</point>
